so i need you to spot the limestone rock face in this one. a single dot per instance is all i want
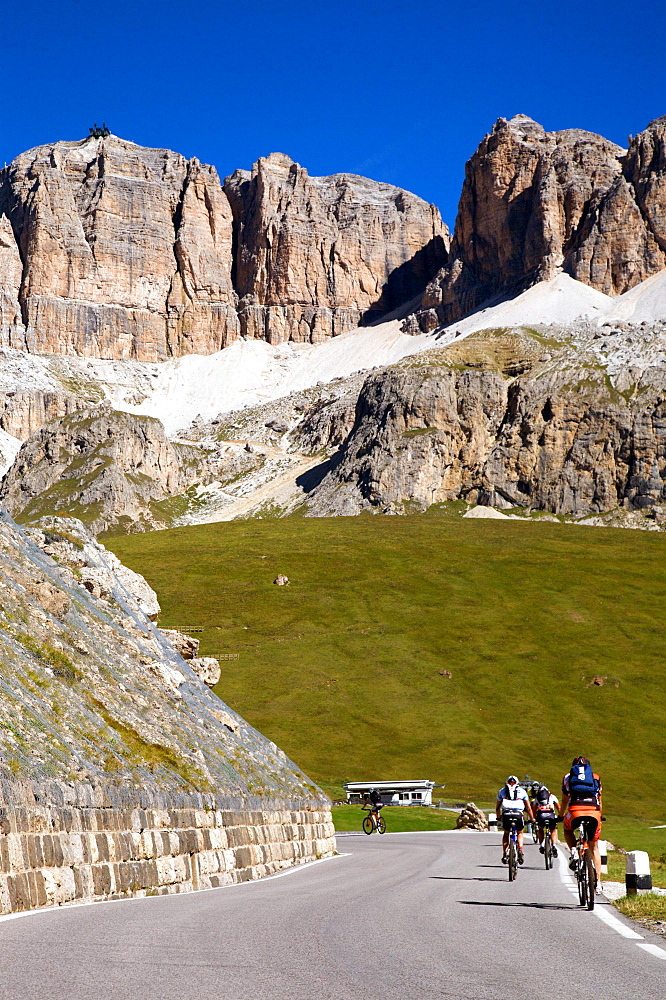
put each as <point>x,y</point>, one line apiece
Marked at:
<point>106,465</point>
<point>126,251</point>
<point>66,540</point>
<point>490,421</point>
<point>535,201</point>
<point>12,332</point>
<point>319,255</point>
<point>207,669</point>
<point>186,645</point>
<point>113,250</point>
<point>22,413</point>
<point>121,773</point>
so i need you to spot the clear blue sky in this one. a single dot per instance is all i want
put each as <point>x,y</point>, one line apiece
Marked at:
<point>400,91</point>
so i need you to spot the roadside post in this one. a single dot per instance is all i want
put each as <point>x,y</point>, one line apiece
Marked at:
<point>638,878</point>
<point>603,855</point>
<point>492,821</point>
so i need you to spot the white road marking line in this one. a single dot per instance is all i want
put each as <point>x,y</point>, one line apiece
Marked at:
<point>617,925</point>
<point>653,949</point>
<point>607,918</point>
<point>172,895</point>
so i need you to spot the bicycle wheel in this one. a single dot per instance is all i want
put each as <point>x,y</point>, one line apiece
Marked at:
<point>548,861</point>
<point>535,832</point>
<point>513,861</point>
<point>368,825</point>
<point>581,876</point>
<point>381,825</point>
<point>591,878</point>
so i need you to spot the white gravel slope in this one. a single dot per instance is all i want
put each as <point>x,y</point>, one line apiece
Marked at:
<point>251,372</point>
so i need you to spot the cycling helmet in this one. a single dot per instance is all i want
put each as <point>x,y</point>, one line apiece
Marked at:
<point>580,762</point>
<point>512,780</point>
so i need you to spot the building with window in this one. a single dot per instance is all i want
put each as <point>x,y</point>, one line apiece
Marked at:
<point>393,793</point>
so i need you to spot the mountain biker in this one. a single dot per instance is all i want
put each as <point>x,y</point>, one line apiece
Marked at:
<point>373,801</point>
<point>512,800</point>
<point>581,796</point>
<point>545,806</point>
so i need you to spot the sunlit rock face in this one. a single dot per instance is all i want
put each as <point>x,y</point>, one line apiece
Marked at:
<point>113,250</point>
<point>534,202</point>
<point>126,252</point>
<point>319,255</point>
<point>121,772</point>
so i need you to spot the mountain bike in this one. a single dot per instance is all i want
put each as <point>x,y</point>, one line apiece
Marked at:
<point>531,827</point>
<point>513,848</point>
<point>547,843</point>
<point>373,821</point>
<point>586,875</point>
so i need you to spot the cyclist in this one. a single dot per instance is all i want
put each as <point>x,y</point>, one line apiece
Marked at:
<point>545,807</point>
<point>373,802</point>
<point>512,800</point>
<point>581,796</point>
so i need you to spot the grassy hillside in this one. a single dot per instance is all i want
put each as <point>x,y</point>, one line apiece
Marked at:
<point>344,667</point>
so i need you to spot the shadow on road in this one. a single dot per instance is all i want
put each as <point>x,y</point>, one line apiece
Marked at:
<point>467,878</point>
<point>523,868</point>
<point>533,906</point>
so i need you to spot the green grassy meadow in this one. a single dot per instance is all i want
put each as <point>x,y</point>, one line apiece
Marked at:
<point>344,668</point>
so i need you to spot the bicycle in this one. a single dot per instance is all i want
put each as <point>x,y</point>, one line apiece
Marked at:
<point>373,821</point>
<point>533,829</point>
<point>547,844</point>
<point>585,872</point>
<point>586,875</point>
<point>513,848</point>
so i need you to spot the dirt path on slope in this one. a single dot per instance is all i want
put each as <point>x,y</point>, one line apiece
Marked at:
<point>266,492</point>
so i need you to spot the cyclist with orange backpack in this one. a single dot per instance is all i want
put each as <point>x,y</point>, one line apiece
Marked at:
<point>581,796</point>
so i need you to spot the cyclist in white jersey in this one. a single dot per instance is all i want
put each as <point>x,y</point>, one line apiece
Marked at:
<point>512,801</point>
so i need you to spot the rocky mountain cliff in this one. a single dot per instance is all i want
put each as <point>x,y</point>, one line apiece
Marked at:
<point>319,255</point>
<point>534,202</point>
<point>113,250</point>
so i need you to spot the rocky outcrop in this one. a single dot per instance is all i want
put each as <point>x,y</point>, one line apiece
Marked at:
<point>113,250</point>
<point>495,420</point>
<point>147,783</point>
<point>187,645</point>
<point>207,669</point>
<point>319,255</point>
<point>105,465</point>
<point>24,412</point>
<point>70,544</point>
<point>535,201</point>
<point>111,469</point>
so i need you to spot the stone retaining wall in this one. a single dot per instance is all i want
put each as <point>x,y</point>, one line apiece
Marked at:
<point>53,855</point>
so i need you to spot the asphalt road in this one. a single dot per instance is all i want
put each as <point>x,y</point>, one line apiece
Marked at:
<point>402,916</point>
